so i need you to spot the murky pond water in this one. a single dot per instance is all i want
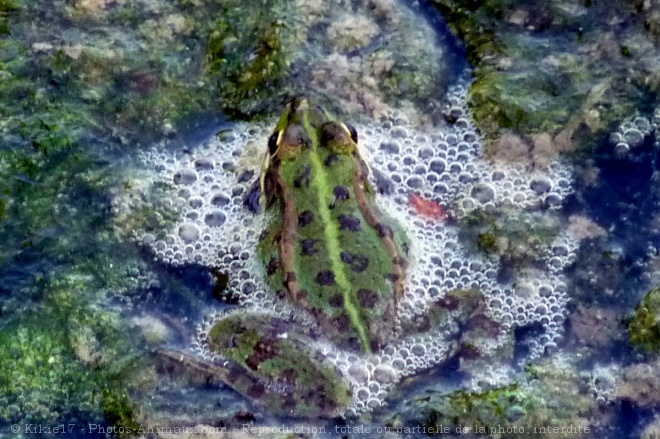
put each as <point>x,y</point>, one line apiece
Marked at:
<point>476,257</point>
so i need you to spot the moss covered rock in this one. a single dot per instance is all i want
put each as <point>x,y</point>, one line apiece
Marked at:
<point>43,380</point>
<point>644,327</point>
<point>553,403</point>
<point>40,379</point>
<point>554,68</point>
<point>66,361</point>
<point>248,55</point>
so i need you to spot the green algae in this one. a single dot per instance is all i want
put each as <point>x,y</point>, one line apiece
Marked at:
<point>55,363</point>
<point>141,97</point>
<point>149,87</point>
<point>44,171</point>
<point>59,347</point>
<point>552,399</point>
<point>517,240</point>
<point>527,101</point>
<point>7,9</point>
<point>486,242</point>
<point>120,412</point>
<point>644,326</point>
<point>482,409</point>
<point>39,380</point>
<point>248,54</point>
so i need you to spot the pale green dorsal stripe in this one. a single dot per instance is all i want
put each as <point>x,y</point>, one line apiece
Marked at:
<point>320,182</point>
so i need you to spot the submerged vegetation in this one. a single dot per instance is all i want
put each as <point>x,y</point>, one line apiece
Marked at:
<point>552,403</point>
<point>644,327</point>
<point>556,68</point>
<point>248,58</point>
<point>60,362</point>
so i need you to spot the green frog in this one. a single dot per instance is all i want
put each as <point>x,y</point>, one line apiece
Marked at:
<point>339,263</point>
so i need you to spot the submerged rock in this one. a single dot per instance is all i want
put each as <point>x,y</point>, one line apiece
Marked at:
<point>553,403</point>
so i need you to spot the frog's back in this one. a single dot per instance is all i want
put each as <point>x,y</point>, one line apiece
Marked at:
<point>330,250</point>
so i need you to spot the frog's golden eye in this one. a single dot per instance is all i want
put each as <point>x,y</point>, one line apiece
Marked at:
<point>291,143</point>
<point>352,131</point>
<point>338,138</point>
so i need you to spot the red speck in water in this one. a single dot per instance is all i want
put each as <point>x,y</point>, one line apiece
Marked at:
<point>429,208</point>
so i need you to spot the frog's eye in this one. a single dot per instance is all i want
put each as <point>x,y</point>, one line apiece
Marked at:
<point>337,137</point>
<point>353,132</point>
<point>272,142</point>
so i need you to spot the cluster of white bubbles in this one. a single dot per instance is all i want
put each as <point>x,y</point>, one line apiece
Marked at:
<point>632,132</point>
<point>208,183</point>
<point>601,381</point>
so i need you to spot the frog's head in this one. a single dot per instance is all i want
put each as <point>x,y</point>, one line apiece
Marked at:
<point>304,126</point>
<point>308,125</point>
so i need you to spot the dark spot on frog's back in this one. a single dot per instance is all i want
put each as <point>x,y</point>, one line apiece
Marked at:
<point>308,246</point>
<point>341,322</point>
<point>303,178</point>
<point>325,278</point>
<point>357,262</point>
<point>367,298</point>
<point>305,218</point>
<point>349,222</point>
<point>337,300</point>
<point>331,159</point>
<point>341,193</point>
